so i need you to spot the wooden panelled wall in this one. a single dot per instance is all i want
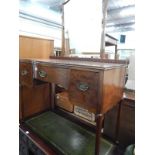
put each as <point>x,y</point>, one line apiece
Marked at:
<point>31,47</point>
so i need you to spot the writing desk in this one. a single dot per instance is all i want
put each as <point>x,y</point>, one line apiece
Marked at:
<point>95,86</point>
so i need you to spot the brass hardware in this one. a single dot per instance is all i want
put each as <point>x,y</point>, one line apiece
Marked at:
<point>42,74</point>
<point>82,86</point>
<point>24,72</point>
<point>99,115</point>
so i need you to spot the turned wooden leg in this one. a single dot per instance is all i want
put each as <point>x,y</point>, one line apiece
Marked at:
<point>98,133</point>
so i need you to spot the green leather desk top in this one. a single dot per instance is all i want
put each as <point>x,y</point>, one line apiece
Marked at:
<point>67,137</point>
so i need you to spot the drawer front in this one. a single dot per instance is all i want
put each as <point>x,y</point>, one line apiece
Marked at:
<point>83,89</point>
<point>26,73</point>
<point>52,74</point>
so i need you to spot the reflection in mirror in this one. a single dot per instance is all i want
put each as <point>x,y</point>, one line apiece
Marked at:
<point>83,26</point>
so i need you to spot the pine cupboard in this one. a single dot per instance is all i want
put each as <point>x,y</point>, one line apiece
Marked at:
<point>32,47</point>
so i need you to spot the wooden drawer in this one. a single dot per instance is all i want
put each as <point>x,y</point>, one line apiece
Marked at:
<point>26,73</point>
<point>83,89</point>
<point>52,74</point>
<point>63,101</point>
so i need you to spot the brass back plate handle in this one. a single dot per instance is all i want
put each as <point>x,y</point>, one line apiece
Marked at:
<point>42,74</point>
<point>24,72</point>
<point>83,86</point>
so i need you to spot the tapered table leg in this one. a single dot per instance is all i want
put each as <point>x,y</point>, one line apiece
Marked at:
<point>98,133</point>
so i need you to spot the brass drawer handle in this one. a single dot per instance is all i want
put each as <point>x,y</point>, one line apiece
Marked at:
<point>42,74</point>
<point>24,72</point>
<point>83,86</point>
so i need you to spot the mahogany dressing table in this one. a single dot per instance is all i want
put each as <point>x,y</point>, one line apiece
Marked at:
<point>93,86</point>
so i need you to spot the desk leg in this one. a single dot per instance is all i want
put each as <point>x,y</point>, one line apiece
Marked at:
<point>21,106</point>
<point>118,122</point>
<point>116,52</point>
<point>99,122</point>
<point>52,92</point>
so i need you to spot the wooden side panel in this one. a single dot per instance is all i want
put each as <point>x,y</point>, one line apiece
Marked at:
<point>126,132</point>
<point>34,99</point>
<point>111,122</point>
<point>113,85</point>
<point>30,47</point>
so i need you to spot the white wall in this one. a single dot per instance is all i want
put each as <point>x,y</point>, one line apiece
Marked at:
<point>129,41</point>
<point>32,28</point>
